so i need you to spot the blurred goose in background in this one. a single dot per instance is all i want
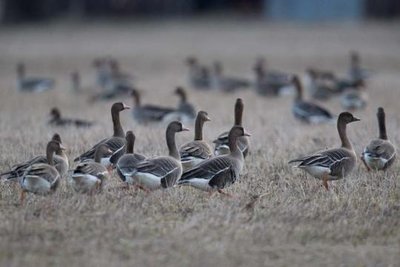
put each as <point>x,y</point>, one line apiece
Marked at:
<point>114,143</point>
<point>126,165</point>
<point>332,164</point>
<point>196,151</point>
<point>42,178</point>
<point>217,173</point>
<point>321,84</point>
<point>380,153</point>
<point>226,83</point>
<point>148,113</point>
<point>57,120</point>
<point>163,171</point>
<point>354,98</point>
<point>198,76</point>
<point>32,84</point>
<point>222,141</point>
<point>89,176</point>
<point>307,111</point>
<point>270,82</point>
<point>356,72</point>
<point>60,162</point>
<point>103,71</point>
<point>185,111</point>
<point>76,82</point>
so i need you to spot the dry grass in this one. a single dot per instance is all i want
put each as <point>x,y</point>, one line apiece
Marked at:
<point>295,223</point>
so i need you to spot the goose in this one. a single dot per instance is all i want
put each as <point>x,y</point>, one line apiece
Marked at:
<point>60,163</point>
<point>184,106</point>
<point>321,84</point>
<point>127,163</point>
<point>217,173</point>
<point>57,120</point>
<point>148,113</point>
<point>380,153</point>
<point>32,84</point>
<point>225,83</point>
<point>196,151</point>
<point>356,72</point>
<point>114,143</point>
<point>41,178</point>
<point>222,142</point>
<point>76,82</point>
<point>307,111</point>
<point>198,76</point>
<point>269,82</point>
<point>163,171</point>
<point>89,176</point>
<point>354,98</point>
<point>332,164</point>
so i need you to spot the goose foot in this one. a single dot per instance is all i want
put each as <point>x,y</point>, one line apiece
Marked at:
<point>22,198</point>
<point>325,182</point>
<point>143,188</point>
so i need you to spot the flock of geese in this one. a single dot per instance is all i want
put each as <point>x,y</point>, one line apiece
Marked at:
<point>197,163</point>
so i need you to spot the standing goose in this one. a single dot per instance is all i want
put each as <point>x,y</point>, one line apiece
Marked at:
<point>42,178</point>
<point>89,176</point>
<point>332,164</point>
<point>355,97</point>
<point>226,83</point>
<point>115,142</point>
<point>307,111</point>
<point>57,120</point>
<point>32,84</point>
<point>222,142</point>
<point>380,153</point>
<point>217,173</point>
<point>163,171</point>
<point>60,163</point>
<point>356,72</point>
<point>126,165</point>
<point>184,106</point>
<point>148,113</point>
<point>196,151</point>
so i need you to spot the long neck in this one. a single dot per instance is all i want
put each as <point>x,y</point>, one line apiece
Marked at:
<point>343,135</point>
<point>183,97</point>
<point>76,83</point>
<point>238,113</point>
<point>198,129</point>
<point>299,90</point>
<point>173,150</point>
<point>130,145</point>
<point>382,127</point>
<point>49,155</point>
<point>233,146</point>
<point>118,131</point>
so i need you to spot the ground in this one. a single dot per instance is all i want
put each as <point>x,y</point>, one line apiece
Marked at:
<point>295,222</point>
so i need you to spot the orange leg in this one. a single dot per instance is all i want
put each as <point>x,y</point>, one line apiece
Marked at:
<point>143,188</point>
<point>365,164</point>
<point>325,182</point>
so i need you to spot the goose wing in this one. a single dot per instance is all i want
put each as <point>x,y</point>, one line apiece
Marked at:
<point>166,168</point>
<point>156,113</point>
<point>43,171</point>
<point>92,168</point>
<point>381,149</point>
<point>197,149</point>
<point>113,143</point>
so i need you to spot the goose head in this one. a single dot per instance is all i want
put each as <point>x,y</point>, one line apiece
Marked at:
<point>118,107</point>
<point>181,92</point>
<point>346,118</point>
<point>191,61</point>
<point>55,114</point>
<point>21,70</point>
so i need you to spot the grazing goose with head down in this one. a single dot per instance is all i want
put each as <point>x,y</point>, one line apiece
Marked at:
<point>217,173</point>
<point>226,83</point>
<point>115,142</point>
<point>307,111</point>
<point>57,120</point>
<point>380,153</point>
<point>148,113</point>
<point>196,151</point>
<point>41,178</point>
<point>161,172</point>
<point>60,163</point>
<point>222,142</point>
<point>32,84</point>
<point>89,176</point>
<point>199,76</point>
<point>332,164</point>
<point>126,165</point>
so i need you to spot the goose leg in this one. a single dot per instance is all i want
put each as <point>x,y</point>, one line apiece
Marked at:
<point>224,193</point>
<point>22,197</point>
<point>325,182</point>
<point>143,188</point>
<point>365,164</point>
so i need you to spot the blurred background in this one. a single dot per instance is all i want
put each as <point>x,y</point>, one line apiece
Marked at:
<point>13,11</point>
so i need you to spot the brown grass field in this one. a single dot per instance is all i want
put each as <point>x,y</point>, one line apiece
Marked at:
<point>295,223</point>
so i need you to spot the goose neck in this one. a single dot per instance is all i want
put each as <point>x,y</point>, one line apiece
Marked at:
<point>341,126</point>
<point>172,149</point>
<point>118,131</point>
